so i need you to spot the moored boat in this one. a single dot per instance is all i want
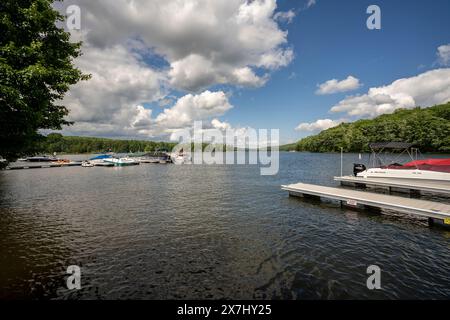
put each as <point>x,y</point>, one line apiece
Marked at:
<point>181,158</point>
<point>40,159</point>
<point>155,157</point>
<point>62,162</point>
<point>120,162</point>
<point>87,164</point>
<point>422,169</point>
<point>99,161</point>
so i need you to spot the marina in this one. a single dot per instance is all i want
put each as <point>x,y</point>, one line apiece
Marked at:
<point>103,160</point>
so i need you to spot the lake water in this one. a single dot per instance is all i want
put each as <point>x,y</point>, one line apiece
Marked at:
<point>207,232</point>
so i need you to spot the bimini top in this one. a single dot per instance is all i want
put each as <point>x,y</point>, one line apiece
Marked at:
<point>390,145</point>
<point>103,156</point>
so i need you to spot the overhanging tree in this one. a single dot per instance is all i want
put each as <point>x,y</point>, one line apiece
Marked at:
<point>36,70</point>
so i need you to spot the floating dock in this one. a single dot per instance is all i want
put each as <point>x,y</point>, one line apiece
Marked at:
<point>437,213</point>
<point>43,165</point>
<point>391,184</point>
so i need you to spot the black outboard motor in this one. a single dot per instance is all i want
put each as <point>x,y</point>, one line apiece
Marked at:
<point>357,168</point>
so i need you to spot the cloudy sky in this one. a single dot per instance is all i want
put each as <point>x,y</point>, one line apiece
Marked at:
<point>300,66</point>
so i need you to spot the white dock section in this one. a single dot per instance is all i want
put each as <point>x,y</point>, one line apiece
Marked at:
<point>416,185</point>
<point>354,198</point>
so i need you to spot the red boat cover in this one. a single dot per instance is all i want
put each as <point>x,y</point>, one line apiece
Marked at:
<point>431,162</point>
<point>440,165</point>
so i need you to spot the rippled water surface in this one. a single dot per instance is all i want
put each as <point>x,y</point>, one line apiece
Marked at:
<point>166,231</point>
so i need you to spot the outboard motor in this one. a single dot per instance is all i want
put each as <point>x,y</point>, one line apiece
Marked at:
<point>357,168</point>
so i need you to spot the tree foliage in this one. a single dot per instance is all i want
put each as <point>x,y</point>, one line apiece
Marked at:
<point>36,70</point>
<point>427,128</point>
<point>58,143</point>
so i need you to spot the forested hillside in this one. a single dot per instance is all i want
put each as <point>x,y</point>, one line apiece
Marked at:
<point>56,142</point>
<point>427,128</point>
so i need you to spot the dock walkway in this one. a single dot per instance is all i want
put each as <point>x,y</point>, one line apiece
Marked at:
<point>423,208</point>
<point>390,183</point>
<point>43,165</point>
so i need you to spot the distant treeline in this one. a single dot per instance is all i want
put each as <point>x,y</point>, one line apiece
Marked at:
<point>58,143</point>
<point>427,128</point>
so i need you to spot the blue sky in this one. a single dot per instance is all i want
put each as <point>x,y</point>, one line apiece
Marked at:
<point>331,40</point>
<point>158,65</point>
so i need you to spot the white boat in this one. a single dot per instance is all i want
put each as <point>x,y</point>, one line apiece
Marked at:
<point>405,174</point>
<point>122,161</point>
<point>99,161</point>
<point>87,164</point>
<point>424,169</point>
<point>181,158</point>
<point>147,160</point>
<point>102,163</point>
<point>3,163</point>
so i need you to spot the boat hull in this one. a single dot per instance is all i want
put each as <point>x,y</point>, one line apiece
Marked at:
<point>415,174</point>
<point>122,162</point>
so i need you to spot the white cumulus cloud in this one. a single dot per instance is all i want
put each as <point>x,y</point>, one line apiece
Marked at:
<point>310,3</point>
<point>190,108</point>
<point>112,99</point>
<point>319,125</point>
<point>335,85</point>
<point>285,16</point>
<point>426,89</point>
<point>443,54</point>
<point>204,42</point>
<point>217,124</point>
<point>139,52</point>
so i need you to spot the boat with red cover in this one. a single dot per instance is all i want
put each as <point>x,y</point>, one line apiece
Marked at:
<point>435,169</point>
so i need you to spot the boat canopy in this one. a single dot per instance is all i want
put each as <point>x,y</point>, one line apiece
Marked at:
<point>103,156</point>
<point>390,145</point>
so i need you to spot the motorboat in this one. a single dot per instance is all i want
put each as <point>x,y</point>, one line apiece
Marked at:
<point>149,160</point>
<point>40,159</point>
<point>62,162</point>
<point>155,157</point>
<point>120,162</point>
<point>87,164</point>
<point>99,161</point>
<point>435,169</point>
<point>181,158</point>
